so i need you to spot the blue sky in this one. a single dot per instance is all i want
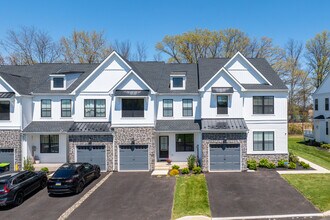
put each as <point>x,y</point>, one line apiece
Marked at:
<point>149,21</point>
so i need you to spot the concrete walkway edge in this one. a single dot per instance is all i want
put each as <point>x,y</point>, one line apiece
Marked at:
<point>318,169</point>
<point>68,212</point>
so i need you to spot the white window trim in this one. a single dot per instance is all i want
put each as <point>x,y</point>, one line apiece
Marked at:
<point>52,82</point>
<point>183,83</point>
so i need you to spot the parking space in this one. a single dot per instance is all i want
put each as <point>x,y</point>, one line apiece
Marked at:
<point>41,206</point>
<point>254,194</point>
<point>129,196</point>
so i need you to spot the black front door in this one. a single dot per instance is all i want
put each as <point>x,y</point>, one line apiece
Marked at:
<point>163,147</point>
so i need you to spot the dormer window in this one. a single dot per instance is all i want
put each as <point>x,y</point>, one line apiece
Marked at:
<point>178,80</point>
<point>58,82</point>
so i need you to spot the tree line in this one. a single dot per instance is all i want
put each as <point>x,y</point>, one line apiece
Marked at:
<point>301,65</point>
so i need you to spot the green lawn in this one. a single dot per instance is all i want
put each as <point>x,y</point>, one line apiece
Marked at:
<point>315,187</point>
<point>320,157</point>
<point>191,197</point>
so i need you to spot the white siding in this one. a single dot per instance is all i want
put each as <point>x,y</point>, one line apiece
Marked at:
<point>26,111</point>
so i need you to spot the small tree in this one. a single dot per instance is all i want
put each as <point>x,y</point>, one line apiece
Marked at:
<point>191,161</point>
<point>28,165</point>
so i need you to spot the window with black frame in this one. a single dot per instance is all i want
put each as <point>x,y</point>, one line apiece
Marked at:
<point>94,108</point>
<point>222,104</point>
<point>187,107</point>
<point>58,82</point>
<point>184,142</point>
<point>66,108</point>
<point>167,107</point>
<point>326,104</point>
<point>132,108</point>
<point>49,143</point>
<point>4,110</point>
<point>263,141</point>
<point>46,108</point>
<point>316,104</point>
<point>263,104</point>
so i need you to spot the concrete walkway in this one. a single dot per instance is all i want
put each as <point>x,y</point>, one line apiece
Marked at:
<point>317,169</point>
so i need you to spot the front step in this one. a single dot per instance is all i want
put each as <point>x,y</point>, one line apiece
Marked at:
<point>162,168</point>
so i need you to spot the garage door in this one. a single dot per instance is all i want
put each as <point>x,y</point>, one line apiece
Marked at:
<point>92,155</point>
<point>7,156</point>
<point>224,157</point>
<point>133,157</point>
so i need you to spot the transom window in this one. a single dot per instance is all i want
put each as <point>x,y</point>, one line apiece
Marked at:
<point>46,108</point>
<point>66,108</point>
<point>58,82</point>
<point>222,104</point>
<point>187,107</point>
<point>263,104</point>
<point>263,141</point>
<point>132,107</point>
<point>49,143</point>
<point>94,108</point>
<point>4,110</point>
<point>167,107</point>
<point>184,142</point>
<point>326,104</point>
<point>316,105</point>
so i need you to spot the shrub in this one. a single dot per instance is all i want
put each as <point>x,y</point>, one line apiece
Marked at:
<point>252,164</point>
<point>175,167</point>
<point>263,162</point>
<point>271,165</point>
<point>185,171</point>
<point>325,146</point>
<point>28,165</point>
<point>174,172</point>
<point>304,165</point>
<point>292,165</point>
<point>281,163</point>
<point>293,158</point>
<point>191,161</point>
<point>197,170</point>
<point>45,169</point>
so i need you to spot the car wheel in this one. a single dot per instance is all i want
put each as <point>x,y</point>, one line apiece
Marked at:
<point>43,183</point>
<point>80,188</point>
<point>19,198</point>
<point>97,173</point>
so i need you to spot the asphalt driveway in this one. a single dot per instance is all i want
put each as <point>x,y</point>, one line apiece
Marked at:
<point>41,206</point>
<point>129,196</point>
<point>254,194</point>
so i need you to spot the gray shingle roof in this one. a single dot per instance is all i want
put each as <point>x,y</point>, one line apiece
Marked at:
<point>90,127</point>
<point>228,124</point>
<point>209,67</point>
<point>48,126</point>
<point>178,125</point>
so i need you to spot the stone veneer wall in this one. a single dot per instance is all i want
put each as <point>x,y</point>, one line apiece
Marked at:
<point>81,140</point>
<point>11,139</point>
<point>271,157</point>
<point>142,136</point>
<point>218,138</point>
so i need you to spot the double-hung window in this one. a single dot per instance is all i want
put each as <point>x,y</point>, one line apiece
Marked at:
<point>222,104</point>
<point>263,141</point>
<point>94,108</point>
<point>4,110</point>
<point>46,108</point>
<point>49,143</point>
<point>184,142</point>
<point>167,107</point>
<point>263,104</point>
<point>66,108</point>
<point>187,107</point>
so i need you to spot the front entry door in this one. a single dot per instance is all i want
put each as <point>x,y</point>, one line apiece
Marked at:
<point>163,147</point>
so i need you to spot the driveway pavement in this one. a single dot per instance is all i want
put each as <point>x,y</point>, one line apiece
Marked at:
<point>254,194</point>
<point>129,196</point>
<point>41,206</point>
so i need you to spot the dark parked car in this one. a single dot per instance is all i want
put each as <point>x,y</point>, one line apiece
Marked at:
<point>14,186</point>
<point>72,178</point>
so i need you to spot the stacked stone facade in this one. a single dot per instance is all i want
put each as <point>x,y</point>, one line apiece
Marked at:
<point>220,138</point>
<point>11,139</point>
<point>141,136</point>
<point>271,157</point>
<point>82,140</point>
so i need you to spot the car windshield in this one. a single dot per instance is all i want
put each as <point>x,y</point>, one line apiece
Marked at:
<point>64,173</point>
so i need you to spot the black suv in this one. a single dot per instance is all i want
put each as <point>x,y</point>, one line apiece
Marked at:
<point>14,186</point>
<point>72,178</point>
